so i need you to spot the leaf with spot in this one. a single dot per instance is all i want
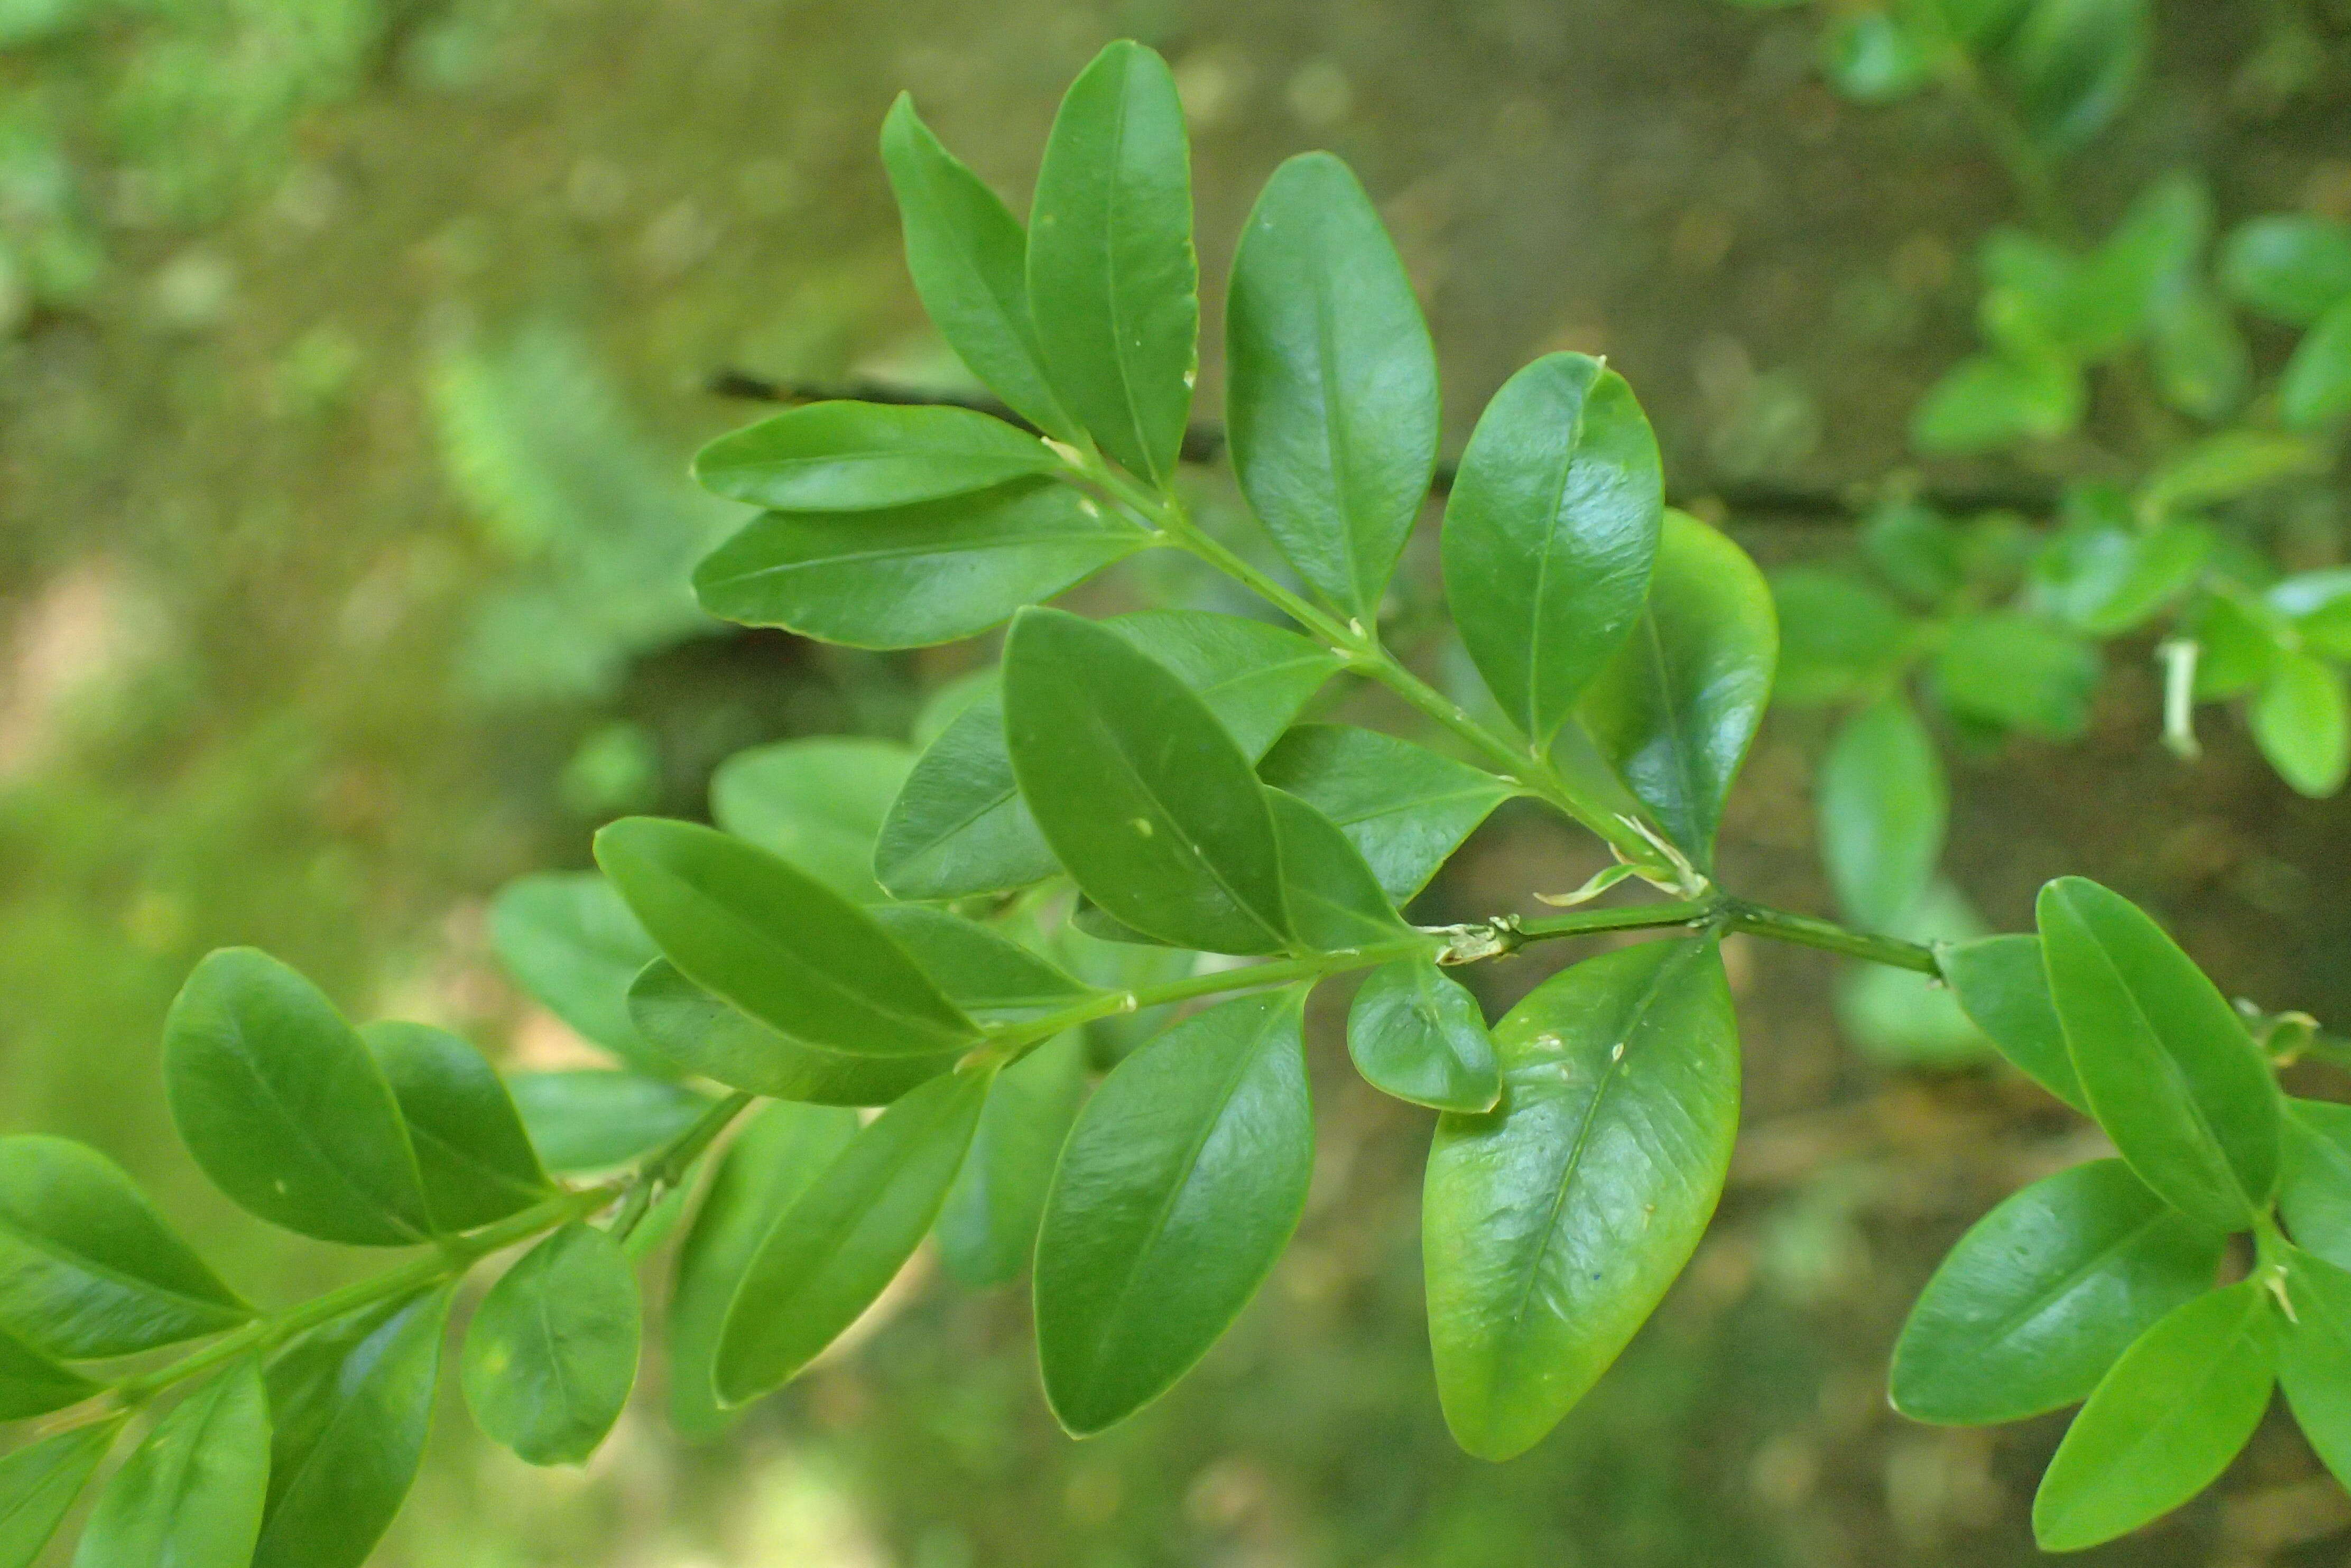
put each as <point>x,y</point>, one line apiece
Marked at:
<point>552,1354</point>
<point>1551,1225</point>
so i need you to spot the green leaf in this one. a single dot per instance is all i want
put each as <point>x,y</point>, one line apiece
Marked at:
<point>1112,277</point>
<point>865,456</point>
<point>1404,808</point>
<point>969,261</point>
<point>352,1404</point>
<point>1883,807</point>
<point>2164,1422</point>
<point>1336,903</point>
<point>2074,63</point>
<point>1676,707</point>
<point>989,976</point>
<point>2166,1067</point>
<point>552,1354</point>
<point>2017,671</point>
<point>87,1267</point>
<point>2291,267</point>
<point>2232,463</point>
<point>779,1151</point>
<point>1141,792</point>
<point>2203,365</point>
<point>1331,401</point>
<point>191,1494</point>
<point>988,1226</point>
<point>1839,636</point>
<point>476,1160</point>
<point>1552,1225</point>
<point>2315,1355</point>
<point>567,938</point>
<point>2314,1183</point>
<point>1872,58</point>
<point>2313,607</point>
<point>1550,533</point>
<point>712,1040</point>
<point>1416,1033</point>
<point>1987,403</point>
<point>960,826</point>
<point>818,803</point>
<point>2300,722</point>
<point>590,1120</point>
<point>285,1109</point>
<point>1178,1188</point>
<point>2237,643</point>
<point>2314,392</point>
<point>33,1385</point>
<point>38,1484</point>
<point>2003,984</point>
<point>1914,550</point>
<point>911,576</point>
<point>2043,1295</point>
<point>781,946</point>
<point>828,1255</point>
<point>2107,580</point>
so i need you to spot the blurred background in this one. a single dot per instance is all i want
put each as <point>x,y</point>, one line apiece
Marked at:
<point>350,355</point>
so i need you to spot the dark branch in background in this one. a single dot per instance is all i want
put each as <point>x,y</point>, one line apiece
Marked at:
<point>1204,442</point>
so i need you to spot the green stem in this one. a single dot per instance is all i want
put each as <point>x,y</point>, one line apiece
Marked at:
<point>1806,932</point>
<point>669,1167</point>
<point>1359,645</point>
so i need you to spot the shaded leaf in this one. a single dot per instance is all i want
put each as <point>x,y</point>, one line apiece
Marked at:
<point>2003,984</point>
<point>715,1040</point>
<point>1417,1033</point>
<point>988,1226</point>
<point>587,1120</point>
<point>568,939</point>
<point>1404,808</point>
<point>818,803</point>
<point>1883,807</point>
<point>864,456</point>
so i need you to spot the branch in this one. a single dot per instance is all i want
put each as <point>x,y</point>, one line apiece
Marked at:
<point>1758,501</point>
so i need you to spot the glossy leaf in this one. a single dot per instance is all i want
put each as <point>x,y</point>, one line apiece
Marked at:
<point>818,803</point>
<point>2314,1183</point>
<point>2019,672</point>
<point>715,1040</point>
<point>779,1151</point>
<point>911,576</point>
<point>87,1267</point>
<point>284,1108</point>
<point>988,1226</point>
<point>567,938</point>
<point>1416,1033</point>
<point>39,1483</point>
<point>2315,1355</point>
<point>1883,806</point>
<point>845,1238</point>
<point>969,261</point>
<point>2003,984</point>
<point>33,1385</point>
<point>2043,1295</point>
<point>1839,636</point>
<point>2165,1063</point>
<point>475,1159</point>
<point>1331,403</point>
<point>191,1493</point>
<point>351,1404</point>
<point>781,946</point>
<point>1552,1225</point>
<point>2164,1422</point>
<point>1549,534</point>
<point>1404,808</point>
<point>2302,724</point>
<point>1336,903</point>
<point>552,1354</point>
<point>2291,267</point>
<point>1179,1187</point>
<point>1112,281</point>
<point>1142,793</point>
<point>2314,392</point>
<point>865,456</point>
<point>960,826</point>
<point>587,1120</point>
<point>1677,706</point>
